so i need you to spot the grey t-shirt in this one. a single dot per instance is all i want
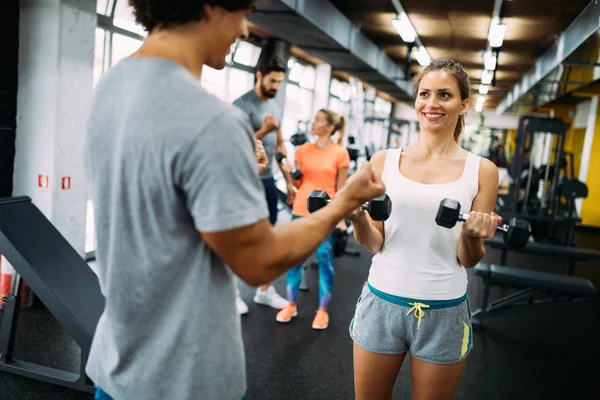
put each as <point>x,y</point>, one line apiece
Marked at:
<point>165,160</point>
<point>257,110</point>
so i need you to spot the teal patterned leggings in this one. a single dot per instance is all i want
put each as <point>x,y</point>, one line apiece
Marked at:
<point>326,273</point>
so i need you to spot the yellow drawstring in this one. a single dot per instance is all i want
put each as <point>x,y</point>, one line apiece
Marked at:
<point>418,309</point>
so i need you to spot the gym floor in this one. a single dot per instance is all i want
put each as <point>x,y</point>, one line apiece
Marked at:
<point>546,351</point>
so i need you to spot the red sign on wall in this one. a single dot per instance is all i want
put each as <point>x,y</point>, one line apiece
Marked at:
<point>66,182</point>
<point>43,181</point>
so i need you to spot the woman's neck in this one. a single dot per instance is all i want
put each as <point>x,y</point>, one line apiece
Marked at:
<point>435,144</point>
<point>323,142</point>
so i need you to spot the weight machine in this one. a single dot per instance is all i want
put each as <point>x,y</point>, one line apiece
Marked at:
<point>544,189</point>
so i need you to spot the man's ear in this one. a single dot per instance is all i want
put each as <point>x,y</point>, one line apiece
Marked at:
<point>209,12</point>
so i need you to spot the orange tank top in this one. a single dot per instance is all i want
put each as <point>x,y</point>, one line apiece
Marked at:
<point>320,169</point>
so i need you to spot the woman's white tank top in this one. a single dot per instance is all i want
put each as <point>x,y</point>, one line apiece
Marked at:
<point>419,259</point>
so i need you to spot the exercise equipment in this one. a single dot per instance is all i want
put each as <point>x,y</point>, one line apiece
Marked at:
<point>573,254</point>
<point>59,277</point>
<point>379,208</point>
<point>543,182</point>
<point>531,283</point>
<point>281,159</point>
<point>340,244</point>
<point>516,232</point>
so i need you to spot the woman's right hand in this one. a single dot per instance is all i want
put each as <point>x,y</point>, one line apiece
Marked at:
<point>357,215</point>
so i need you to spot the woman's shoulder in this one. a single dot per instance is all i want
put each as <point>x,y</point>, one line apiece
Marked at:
<point>487,167</point>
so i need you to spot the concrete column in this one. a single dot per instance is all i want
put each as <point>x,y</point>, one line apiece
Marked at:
<point>322,82</point>
<point>56,57</point>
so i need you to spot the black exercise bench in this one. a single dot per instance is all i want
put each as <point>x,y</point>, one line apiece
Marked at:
<point>58,276</point>
<point>573,254</point>
<point>530,282</point>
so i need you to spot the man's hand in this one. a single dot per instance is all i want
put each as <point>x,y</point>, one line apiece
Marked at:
<point>270,123</point>
<point>261,156</point>
<point>364,185</point>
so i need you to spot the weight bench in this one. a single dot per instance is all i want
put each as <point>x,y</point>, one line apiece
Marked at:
<point>530,281</point>
<point>573,254</point>
<point>58,276</point>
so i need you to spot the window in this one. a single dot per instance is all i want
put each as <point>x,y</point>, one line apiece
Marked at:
<point>299,96</point>
<point>122,47</point>
<point>240,82</point>
<point>90,237</point>
<point>247,54</point>
<point>382,107</point>
<point>123,18</point>
<point>104,7</point>
<point>99,54</point>
<point>340,95</point>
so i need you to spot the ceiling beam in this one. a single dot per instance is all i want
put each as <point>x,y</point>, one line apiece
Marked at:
<point>585,25</point>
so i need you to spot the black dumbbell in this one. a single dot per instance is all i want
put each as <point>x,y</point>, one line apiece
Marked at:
<point>516,232</point>
<point>296,174</point>
<point>379,208</point>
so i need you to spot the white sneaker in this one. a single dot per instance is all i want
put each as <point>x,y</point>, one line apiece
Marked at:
<point>270,298</point>
<point>242,307</point>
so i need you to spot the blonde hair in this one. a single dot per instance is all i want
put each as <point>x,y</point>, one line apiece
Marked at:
<point>337,121</point>
<point>456,70</point>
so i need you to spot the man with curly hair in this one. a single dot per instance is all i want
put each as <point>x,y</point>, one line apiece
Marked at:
<point>172,172</point>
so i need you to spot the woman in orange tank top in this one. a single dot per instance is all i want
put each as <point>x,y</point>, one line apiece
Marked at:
<point>324,165</point>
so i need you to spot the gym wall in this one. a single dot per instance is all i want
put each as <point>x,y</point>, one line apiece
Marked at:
<point>56,54</point>
<point>590,210</point>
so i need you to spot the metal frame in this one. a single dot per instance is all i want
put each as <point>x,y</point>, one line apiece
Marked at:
<point>514,299</point>
<point>500,304</point>
<point>39,372</point>
<point>529,127</point>
<point>34,256</point>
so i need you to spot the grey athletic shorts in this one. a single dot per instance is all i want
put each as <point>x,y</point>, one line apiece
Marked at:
<point>434,331</point>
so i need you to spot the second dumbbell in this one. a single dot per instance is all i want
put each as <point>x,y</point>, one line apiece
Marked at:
<point>516,232</point>
<point>296,174</point>
<point>379,208</point>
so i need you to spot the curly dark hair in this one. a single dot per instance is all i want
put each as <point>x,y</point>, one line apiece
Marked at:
<point>163,13</point>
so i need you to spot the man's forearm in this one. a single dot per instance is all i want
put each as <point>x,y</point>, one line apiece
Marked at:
<point>470,250</point>
<point>261,133</point>
<point>292,243</point>
<point>287,175</point>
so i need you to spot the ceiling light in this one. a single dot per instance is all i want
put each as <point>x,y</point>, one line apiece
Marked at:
<point>486,77</point>
<point>480,103</point>
<point>496,34</point>
<point>422,56</point>
<point>489,60</point>
<point>405,28</point>
<point>483,89</point>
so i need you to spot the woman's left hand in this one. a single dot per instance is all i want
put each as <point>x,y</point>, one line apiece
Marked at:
<point>481,225</point>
